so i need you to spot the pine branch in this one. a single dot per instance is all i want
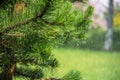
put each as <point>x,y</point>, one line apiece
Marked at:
<point>28,72</point>
<point>9,28</point>
<point>86,17</point>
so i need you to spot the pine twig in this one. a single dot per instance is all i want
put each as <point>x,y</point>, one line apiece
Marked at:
<point>9,28</point>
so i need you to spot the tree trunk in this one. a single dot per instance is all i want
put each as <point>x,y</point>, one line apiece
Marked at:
<point>8,72</point>
<point>109,33</point>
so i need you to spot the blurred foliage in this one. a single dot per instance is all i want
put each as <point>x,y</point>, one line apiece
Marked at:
<point>95,40</point>
<point>117,20</point>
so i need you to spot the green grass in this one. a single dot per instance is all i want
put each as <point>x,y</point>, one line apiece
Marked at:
<point>93,65</point>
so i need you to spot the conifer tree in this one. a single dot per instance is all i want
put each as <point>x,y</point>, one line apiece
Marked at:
<point>30,29</point>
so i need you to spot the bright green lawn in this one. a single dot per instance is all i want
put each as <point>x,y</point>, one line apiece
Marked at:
<point>93,65</point>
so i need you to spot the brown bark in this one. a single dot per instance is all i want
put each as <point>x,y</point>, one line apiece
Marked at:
<point>8,72</point>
